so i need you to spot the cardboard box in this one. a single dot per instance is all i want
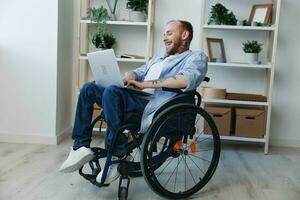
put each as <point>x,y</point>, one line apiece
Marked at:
<point>249,122</point>
<point>222,118</point>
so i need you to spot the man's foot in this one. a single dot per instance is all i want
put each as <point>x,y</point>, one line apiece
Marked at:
<point>76,159</point>
<point>113,173</point>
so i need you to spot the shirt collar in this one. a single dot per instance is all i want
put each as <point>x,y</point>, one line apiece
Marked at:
<point>164,55</point>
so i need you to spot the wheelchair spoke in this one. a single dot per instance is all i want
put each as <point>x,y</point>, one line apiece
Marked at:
<point>172,173</point>
<point>196,165</point>
<point>176,174</point>
<point>203,139</point>
<point>185,175</point>
<point>201,150</point>
<point>189,169</point>
<point>171,159</point>
<point>200,158</point>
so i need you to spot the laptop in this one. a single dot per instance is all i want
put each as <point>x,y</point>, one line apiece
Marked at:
<point>106,72</point>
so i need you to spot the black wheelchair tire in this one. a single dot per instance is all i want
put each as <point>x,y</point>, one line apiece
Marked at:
<point>157,188</point>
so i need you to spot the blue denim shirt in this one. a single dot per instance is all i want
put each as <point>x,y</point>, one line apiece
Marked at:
<point>193,65</point>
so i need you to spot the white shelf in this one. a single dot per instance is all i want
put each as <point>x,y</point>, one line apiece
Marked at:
<point>251,28</point>
<point>240,65</point>
<point>230,102</point>
<point>120,59</point>
<point>127,23</point>
<point>245,139</point>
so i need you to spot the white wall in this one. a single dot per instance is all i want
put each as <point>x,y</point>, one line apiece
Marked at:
<point>28,60</point>
<point>166,10</point>
<point>35,70</point>
<point>286,96</point>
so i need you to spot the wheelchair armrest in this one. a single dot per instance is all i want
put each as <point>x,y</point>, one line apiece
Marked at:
<point>172,90</point>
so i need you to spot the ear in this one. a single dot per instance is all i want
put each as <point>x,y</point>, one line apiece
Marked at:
<point>185,34</point>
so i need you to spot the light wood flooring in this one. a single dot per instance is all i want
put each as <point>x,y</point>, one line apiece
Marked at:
<point>30,172</point>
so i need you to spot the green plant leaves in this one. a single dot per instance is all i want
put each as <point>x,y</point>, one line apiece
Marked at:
<point>252,47</point>
<point>138,5</point>
<point>220,15</point>
<point>103,40</point>
<point>98,15</point>
<point>99,37</point>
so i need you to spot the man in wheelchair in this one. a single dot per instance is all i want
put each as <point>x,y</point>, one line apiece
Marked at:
<point>178,68</point>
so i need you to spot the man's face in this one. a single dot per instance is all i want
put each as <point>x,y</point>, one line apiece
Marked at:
<point>173,37</point>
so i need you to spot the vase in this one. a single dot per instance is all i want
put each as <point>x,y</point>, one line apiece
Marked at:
<point>252,58</point>
<point>136,16</point>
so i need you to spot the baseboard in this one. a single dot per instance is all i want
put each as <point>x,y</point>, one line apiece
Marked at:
<point>35,139</point>
<point>28,139</point>
<point>285,143</point>
<point>63,135</point>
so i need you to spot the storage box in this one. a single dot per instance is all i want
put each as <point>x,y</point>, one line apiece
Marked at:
<point>222,118</point>
<point>212,93</point>
<point>249,122</point>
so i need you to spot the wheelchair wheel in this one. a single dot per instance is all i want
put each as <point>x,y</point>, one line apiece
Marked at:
<point>180,151</point>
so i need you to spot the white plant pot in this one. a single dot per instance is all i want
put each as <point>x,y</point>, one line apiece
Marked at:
<point>137,16</point>
<point>98,49</point>
<point>252,58</point>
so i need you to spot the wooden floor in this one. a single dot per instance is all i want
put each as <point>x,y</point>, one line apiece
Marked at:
<point>30,172</point>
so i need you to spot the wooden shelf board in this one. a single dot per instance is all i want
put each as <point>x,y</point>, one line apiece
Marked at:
<point>245,139</point>
<point>127,23</point>
<point>227,101</point>
<point>240,65</point>
<point>251,28</point>
<point>82,57</point>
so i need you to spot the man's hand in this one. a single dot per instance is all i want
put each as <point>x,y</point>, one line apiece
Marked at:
<point>129,76</point>
<point>136,84</point>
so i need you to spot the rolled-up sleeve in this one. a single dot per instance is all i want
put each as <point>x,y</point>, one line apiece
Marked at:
<point>141,72</point>
<point>194,70</point>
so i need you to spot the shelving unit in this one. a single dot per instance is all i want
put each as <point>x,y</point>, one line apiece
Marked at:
<point>140,35</point>
<point>265,70</point>
<point>83,46</point>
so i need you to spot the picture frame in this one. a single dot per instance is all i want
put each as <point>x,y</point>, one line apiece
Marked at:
<point>261,13</point>
<point>216,50</point>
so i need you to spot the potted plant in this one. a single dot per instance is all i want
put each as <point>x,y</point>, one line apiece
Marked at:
<point>252,49</point>
<point>103,40</point>
<point>138,10</point>
<point>220,15</point>
<point>98,15</point>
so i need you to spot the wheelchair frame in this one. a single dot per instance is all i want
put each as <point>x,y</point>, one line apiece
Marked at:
<point>127,168</point>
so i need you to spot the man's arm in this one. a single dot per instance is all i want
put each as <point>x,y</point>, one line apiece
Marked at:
<point>177,81</point>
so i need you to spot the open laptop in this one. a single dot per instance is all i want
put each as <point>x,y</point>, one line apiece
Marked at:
<point>106,71</point>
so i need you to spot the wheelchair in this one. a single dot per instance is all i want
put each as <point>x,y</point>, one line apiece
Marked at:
<point>178,154</point>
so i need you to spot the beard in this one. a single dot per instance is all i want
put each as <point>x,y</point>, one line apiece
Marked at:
<point>176,47</point>
<point>173,48</point>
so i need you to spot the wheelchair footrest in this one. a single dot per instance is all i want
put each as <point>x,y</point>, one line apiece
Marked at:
<point>99,152</point>
<point>95,167</point>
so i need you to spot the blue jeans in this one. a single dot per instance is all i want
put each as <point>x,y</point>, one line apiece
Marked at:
<point>115,102</point>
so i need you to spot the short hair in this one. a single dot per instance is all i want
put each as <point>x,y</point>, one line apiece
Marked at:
<point>186,26</point>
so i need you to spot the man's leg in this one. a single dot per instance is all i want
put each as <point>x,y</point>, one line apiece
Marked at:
<point>82,132</point>
<point>116,103</point>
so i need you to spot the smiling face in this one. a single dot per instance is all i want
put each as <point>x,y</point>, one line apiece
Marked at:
<point>175,38</point>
